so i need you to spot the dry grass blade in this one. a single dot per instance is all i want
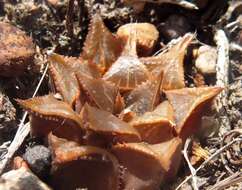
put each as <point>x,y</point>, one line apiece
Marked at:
<point>214,155</point>
<point>231,180</point>
<point>193,171</point>
<point>222,73</point>
<point>22,132</point>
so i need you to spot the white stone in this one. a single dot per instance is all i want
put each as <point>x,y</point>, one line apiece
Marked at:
<point>206,60</point>
<point>21,179</point>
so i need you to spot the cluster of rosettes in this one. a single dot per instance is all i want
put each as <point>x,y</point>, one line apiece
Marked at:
<point>122,119</point>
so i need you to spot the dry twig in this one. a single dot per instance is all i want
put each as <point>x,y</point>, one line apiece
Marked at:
<point>231,180</point>
<point>214,155</point>
<point>222,71</point>
<point>229,158</point>
<point>193,171</point>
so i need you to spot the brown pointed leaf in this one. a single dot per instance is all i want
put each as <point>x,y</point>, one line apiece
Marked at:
<point>64,79</point>
<point>83,67</point>
<point>189,105</point>
<point>100,92</point>
<point>144,98</point>
<point>50,114</point>
<point>142,167</point>
<point>146,166</point>
<point>170,63</point>
<point>55,142</point>
<point>101,46</point>
<point>75,166</point>
<point>156,126</point>
<point>107,126</point>
<point>48,106</point>
<point>170,155</point>
<point>127,72</point>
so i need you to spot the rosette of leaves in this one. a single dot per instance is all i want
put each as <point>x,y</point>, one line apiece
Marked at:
<point>111,129</point>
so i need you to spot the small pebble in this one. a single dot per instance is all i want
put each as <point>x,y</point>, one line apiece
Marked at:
<point>39,160</point>
<point>206,60</point>
<point>175,26</point>
<point>21,179</point>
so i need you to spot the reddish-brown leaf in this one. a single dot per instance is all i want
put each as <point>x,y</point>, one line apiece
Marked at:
<point>75,166</point>
<point>146,166</point>
<point>170,63</point>
<point>84,67</point>
<point>64,79</point>
<point>101,46</point>
<point>156,126</point>
<point>144,98</point>
<point>107,126</point>
<point>128,72</point>
<point>50,114</point>
<point>189,105</point>
<point>99,92</point>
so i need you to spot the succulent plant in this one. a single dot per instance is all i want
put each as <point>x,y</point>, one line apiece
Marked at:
<point>111,129</point>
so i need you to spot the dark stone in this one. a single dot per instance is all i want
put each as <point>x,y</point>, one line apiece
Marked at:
<point>175,26</point>
<point>39,160</point>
